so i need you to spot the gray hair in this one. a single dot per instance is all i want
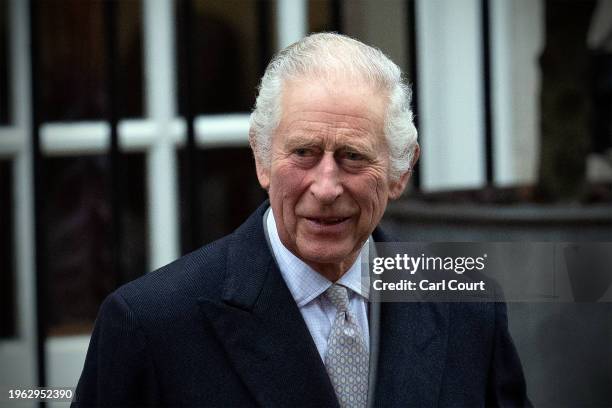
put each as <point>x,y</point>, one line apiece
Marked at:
<point>323,55</point>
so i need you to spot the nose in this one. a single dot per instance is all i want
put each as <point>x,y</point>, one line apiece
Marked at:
<point>326,186</point>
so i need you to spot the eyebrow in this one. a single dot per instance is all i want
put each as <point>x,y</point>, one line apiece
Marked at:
<point>302,141</point>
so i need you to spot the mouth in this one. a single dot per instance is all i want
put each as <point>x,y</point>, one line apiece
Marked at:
<point>327,220</point>
<point>328,226</point>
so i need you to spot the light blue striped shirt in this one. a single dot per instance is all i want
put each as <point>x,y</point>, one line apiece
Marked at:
<point>306,286</point>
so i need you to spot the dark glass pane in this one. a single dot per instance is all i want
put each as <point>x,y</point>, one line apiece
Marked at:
<point>73,59</point>
<point>382,24</point>
<point>323,15</point>
<point>78,222</point>
<point>4,64</point>
<point>227,191</point>
<point>7,269</point>
<point>131,78</point>
<point>229,40</point>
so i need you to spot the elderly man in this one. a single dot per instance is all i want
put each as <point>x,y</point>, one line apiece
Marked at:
<point>275,314</point>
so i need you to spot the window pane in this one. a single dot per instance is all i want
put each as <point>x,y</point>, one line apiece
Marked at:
<point>7,269</point>
<point>228,52</point>
<point>78,222</point>
<point>131,81</point>
<point>73,59</point>
<point>227,191</point>
<point>4,64</point>
<point>383,24</point>
<point>322,15</point>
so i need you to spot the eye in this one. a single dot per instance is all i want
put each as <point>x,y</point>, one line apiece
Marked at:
<point>307,152</point>
<point>303,152</point>
<point>354,156</point>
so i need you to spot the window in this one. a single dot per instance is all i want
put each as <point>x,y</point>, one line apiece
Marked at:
<point>228,42</point>
<point>73,59</point>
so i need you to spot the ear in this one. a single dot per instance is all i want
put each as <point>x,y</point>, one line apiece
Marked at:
<point>397,187</point>
<point>263,172</point>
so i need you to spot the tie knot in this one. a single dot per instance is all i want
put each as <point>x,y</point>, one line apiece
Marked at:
<point>338,295</point>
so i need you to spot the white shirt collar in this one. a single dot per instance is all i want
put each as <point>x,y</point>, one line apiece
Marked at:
<point>306,284</point>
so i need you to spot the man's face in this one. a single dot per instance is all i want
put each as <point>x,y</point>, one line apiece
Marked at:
<point>328,180</point>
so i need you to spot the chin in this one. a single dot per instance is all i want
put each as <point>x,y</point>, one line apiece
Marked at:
<point>325,254</point>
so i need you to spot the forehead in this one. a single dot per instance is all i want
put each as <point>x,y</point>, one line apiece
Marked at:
<point>337,108</point>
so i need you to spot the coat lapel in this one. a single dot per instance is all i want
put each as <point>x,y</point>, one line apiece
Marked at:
<point>262,329</point>
<point>412,346</point>
<point>412,354</point>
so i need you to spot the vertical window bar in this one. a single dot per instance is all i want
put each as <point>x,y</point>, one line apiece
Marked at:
<point>186,51</point>
<point>291,21</point>
<point>158,30</point>
<point>488,114</point>
<point>114,154</point>
<point>412,52</point>
<point>38,174</point>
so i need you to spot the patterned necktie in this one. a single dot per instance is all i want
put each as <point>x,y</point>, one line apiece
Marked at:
<point>346,358</point>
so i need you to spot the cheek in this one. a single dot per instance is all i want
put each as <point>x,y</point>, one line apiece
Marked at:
<point>372,190</point>
<point>287,185</point>
<point>371,193</point>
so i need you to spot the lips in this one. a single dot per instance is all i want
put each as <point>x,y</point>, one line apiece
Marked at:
<point>327,220</point>
<point>327,226</point>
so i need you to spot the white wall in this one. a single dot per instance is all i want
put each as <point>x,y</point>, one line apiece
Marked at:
<point>518,40</point>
